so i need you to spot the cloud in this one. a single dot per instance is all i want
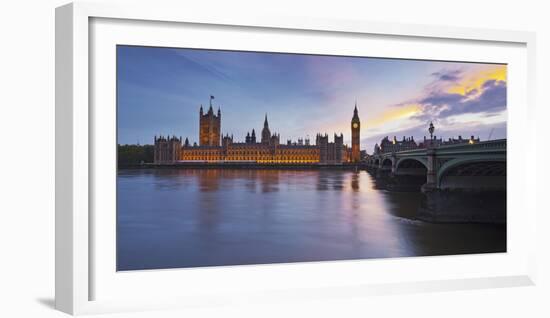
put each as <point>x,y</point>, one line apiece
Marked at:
<point>467,101</point>
<point>448,76</point>
<point>490,98</point>
<point>474,79</point>
<point>462,127</point>
<point>191,63</point>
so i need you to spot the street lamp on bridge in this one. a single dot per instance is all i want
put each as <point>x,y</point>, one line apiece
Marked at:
<point>431,130</point>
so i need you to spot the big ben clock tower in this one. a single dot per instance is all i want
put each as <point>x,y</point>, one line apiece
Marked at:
<point>355,133</point>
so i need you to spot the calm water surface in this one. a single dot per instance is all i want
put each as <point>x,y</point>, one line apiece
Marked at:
<point>169,218</point>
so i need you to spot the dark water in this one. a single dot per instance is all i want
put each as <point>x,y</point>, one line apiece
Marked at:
<point>171,218</point>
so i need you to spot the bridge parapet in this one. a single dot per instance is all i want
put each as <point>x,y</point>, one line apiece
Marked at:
<point>490,145</point>
<point>448,175</point>
<point>438,159</point>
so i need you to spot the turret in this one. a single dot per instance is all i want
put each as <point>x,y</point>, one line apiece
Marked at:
<point>253,136</point>
<point>266,134</point>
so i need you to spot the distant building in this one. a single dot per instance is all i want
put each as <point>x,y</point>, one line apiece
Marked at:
<point>451,141</point>
<point>213,146</point>
<point>408,143</point>
<point>332,152</point>
<point>394,145</point>
<point>364,155</point>
<point>166,149</point>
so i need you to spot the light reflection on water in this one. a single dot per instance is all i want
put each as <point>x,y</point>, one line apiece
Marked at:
<point>170,218</point>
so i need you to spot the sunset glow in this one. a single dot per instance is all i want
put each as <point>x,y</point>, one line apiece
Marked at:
<point>160,91</point>
<point>393,114</point>
<point>476,79</point>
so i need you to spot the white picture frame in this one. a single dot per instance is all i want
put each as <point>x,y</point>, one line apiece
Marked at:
<point>75,267</point>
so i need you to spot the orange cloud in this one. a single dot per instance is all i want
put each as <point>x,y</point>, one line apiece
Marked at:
<point>393,114</point>
<point>474,80</point>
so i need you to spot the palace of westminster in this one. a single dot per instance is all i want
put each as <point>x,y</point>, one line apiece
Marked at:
<point>215,147</point>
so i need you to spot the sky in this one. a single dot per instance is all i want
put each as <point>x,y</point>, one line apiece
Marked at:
<point>160,91</point>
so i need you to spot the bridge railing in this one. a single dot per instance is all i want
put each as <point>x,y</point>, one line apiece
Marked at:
<point>489,144</point>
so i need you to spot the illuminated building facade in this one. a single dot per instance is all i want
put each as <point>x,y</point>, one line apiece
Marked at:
<point>214,147</point>
<point>210,127</point>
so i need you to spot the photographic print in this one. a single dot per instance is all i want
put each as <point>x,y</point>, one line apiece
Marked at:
<point>239,158</point>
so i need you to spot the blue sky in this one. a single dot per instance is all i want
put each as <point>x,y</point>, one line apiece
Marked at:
<point>160,91</point>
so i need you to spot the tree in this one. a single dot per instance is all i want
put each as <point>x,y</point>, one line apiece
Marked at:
<point>131,155</point>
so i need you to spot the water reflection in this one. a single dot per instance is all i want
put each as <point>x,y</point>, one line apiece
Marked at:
<point>203,217</point>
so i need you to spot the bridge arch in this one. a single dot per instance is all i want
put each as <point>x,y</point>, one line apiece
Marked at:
<point>410,174</point>
<point>490,169</point>
<point>386,163</point>
<point>400,161</point>
<point>413,167</point>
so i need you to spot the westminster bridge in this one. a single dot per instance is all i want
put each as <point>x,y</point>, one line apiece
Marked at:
<point>462,182</point>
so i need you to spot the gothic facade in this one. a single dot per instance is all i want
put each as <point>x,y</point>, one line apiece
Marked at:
<point>355,136</point>
<point>214,147</point>
<point>166,149</point>
<point>210,127</point>
<point>332,152</point>
<point>394,145</point>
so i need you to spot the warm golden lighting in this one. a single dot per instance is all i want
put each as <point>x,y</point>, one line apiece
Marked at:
<point>476,80</point>
<point>268,151</point>
<point>394,114</point>
<point>471,141</point>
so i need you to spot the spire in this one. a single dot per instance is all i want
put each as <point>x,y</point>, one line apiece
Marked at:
<point>266,125</point>
<point>201,111</point>
<point>355,113</point>
<point>210,110</point>
<point>219,111</point>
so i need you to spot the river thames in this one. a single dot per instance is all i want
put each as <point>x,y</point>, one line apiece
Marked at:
<point>175,218</point>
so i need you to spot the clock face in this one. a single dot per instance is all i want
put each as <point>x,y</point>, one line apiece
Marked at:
<point>355,125</point>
